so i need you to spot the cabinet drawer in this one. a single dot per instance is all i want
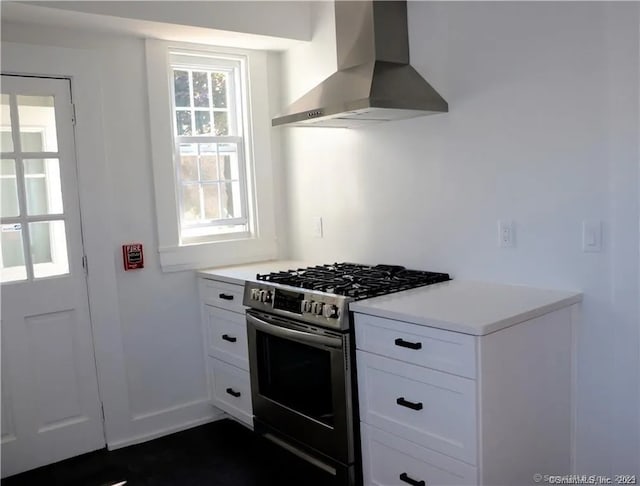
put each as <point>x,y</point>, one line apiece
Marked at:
<point>391,461</point>
<point>433,409</point>
<point>227,336</point>
<point>221,294</point>
<point>448,351</point>
<point>231,390</point>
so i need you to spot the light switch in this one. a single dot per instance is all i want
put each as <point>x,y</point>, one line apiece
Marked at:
<point>591,236</point>
<point>317,226</point>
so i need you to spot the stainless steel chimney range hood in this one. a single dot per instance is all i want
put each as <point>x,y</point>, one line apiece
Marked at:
<point>374,82</point>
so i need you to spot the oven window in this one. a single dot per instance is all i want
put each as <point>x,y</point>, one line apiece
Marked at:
<point>295,375</point>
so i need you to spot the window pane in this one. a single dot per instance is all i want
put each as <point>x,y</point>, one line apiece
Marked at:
<point>42,185</point>
<point>203,123</point>
<point>40,242</point>
<point>48,248</point>
<point>34,167</point>
<point>209,166</point>
<point>230,197</point>
<point>188,170</point>
<point>36,195</point>
<point>13,267</point>
<point>188,162</point>
<point>219,89</point>
<point>32,141</point>
<point>190,202</point>
<point>8,167</point>
<point>189,148</point>
<point>211,201</point>
<point>5,122</point>
<point>6,142</point>
<point>37,123</point>
<point>8,189</point>
<point>229,161</point>
<point>181,88</point>
<point>200,89</point>
<point>221,122</point>
<point>183,122</point>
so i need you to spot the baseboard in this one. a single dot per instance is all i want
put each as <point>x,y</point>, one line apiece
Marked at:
<point>164,422</point>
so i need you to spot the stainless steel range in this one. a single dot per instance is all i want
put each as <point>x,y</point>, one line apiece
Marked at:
<point>303,380</point>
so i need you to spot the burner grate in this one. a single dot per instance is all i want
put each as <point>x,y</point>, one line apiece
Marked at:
<point>355,280</point>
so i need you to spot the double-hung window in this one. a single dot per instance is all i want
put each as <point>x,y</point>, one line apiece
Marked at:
<point>209,155</point>
<point>209,118</point>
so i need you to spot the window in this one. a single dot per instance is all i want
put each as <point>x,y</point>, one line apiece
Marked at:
<point>208,98</point>
<point>211,151</point>
<point>31,193</point>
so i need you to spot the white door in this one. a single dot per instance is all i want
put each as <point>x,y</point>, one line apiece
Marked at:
<point>50,403</point>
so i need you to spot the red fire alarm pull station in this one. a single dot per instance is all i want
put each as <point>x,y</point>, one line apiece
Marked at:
<point>132,255</point>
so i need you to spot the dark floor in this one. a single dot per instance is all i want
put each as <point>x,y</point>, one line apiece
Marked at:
<point>222,453</point>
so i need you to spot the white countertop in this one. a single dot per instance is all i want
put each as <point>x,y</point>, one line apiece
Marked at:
<point>469,307</point>
<point>239,274</point>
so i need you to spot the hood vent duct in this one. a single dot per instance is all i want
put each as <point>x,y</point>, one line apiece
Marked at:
<point>374,81</point>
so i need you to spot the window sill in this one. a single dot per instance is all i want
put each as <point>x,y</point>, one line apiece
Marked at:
<point>217,253</point>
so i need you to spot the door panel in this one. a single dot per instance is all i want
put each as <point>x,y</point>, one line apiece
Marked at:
<point>50,403</point>
<point>53,346</point>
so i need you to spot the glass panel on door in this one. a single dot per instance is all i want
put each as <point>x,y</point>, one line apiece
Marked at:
<point>42,186</point>
<point>8,189</point>
<point>6,140</point>
<point>37,124</point>
<point>13,265</point>
<point>48,248</point>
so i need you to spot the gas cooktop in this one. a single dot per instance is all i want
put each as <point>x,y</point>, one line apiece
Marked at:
<point>355,280</point>
<point>321,294</point>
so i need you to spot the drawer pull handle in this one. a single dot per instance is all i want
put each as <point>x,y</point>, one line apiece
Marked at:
<point>233,393</point>
<point>408,344</point>
<point>225,296</point>
<point>405,403</point>
<point>231,339</point>
<point>412,482</point>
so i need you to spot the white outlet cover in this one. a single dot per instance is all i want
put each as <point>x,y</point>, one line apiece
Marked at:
<point>506,234</point>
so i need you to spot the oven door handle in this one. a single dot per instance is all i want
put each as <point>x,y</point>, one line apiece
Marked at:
<point>300,336</point>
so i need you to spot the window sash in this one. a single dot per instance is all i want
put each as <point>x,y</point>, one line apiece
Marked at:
<point>235,102</point>
<point>242,183</point>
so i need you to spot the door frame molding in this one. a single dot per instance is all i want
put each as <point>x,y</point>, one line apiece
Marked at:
<point>84,72</point>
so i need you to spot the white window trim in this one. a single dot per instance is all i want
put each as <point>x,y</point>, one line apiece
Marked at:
<point>261,245</point>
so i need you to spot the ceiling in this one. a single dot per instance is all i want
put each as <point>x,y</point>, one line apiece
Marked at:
<point>22,12</point>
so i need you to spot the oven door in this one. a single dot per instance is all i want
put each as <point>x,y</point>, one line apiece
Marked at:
<point>300,383</point>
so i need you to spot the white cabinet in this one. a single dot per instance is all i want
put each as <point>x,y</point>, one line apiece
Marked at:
<point>439,407</point>
<point>427,407</point>
<point>226,333</point>
<point>225,337</point>
<point>447,351</point>
<point>387,457</point>
<point>231,389</point>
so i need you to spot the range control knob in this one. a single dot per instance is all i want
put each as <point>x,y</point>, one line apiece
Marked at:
<point>306,306</point>
<point>331,311</point>
<point>316,308</point>
<point>265,296</point>
<point>255,294</point>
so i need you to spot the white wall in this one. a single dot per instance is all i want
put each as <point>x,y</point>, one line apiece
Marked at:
<point>255,17</point>
<point>542,130</point>
<point>158,312</point>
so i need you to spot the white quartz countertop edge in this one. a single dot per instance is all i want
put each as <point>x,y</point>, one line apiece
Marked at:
<point>420,306</point>
<point>239,274</point>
